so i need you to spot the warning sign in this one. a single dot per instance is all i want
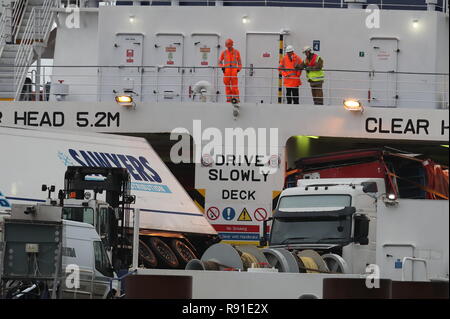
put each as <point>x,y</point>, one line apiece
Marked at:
<point>204,49</point>
<point>244,216</point>
<point>241,186</point>
<point>130,53</point>
<point>171,49</point>
<point>228,213</point>
<point>213,213</point>
<point>260,214</point>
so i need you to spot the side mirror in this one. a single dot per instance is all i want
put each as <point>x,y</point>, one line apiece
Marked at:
<point>370,187</point>
<point>263,240</point>
<point>361,232</point>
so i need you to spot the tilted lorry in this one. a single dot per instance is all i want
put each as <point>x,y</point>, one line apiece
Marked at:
<point>172,228</point>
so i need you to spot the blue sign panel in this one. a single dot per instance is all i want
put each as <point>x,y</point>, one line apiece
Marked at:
<point>239,236</point>
<point>316,45</point>
<point>228,213</point>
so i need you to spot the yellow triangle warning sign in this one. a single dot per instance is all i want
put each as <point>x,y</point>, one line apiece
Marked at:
<point>244,216</point>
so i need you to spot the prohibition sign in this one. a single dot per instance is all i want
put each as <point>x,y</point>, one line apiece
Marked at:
<point>260,214</point>
<point>213,213</point>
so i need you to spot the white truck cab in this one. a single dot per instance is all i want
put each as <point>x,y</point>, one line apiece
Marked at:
<point>84,250</point>
<point>94,212</point>
<point>330,215</point>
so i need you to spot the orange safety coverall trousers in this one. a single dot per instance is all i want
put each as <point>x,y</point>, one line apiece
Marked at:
<point>230,61</point>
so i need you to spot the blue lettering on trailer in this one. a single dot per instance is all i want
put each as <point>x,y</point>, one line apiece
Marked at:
<point>3,201</point>
<point>139,167</point>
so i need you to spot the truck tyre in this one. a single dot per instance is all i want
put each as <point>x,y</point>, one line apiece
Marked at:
<point>183,252</point>
<point>146,256</point>
<point>163,251</point>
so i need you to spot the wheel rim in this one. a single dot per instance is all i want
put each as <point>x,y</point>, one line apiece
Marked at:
<point>164,252</point>
<point>183,251</point>
<point>146,255</point>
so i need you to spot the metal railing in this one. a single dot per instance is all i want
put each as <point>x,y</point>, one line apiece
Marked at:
<point>18,14</point>
<point>382,4</point>
<point>5,27</point>
<point>256,85</point>
<point>36,33</point>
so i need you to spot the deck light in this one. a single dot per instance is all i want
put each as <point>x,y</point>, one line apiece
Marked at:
<point>125,99</point>
<point>353,105</point>
<point>390,199</point>
<point>245,19</point>
<point>131,18</point>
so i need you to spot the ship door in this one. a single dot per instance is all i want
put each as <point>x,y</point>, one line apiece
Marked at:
<point>383,86</point>
<point>204,50</point>
<point>169,59</point>
<point>261,85</point>
<point>128,59</point>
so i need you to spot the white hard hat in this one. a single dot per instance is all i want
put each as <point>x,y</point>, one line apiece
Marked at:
<point>289,48</point>
<point>307,48</point>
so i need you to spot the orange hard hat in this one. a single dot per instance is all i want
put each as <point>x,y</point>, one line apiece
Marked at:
<point>229,43</point>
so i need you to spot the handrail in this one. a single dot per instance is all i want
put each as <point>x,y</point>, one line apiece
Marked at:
<point>97,82</point>
<point>17,16</point>
<point>36,31</point>
<point>5,22</point>
<point>314,4</point>
<point>413,259</point>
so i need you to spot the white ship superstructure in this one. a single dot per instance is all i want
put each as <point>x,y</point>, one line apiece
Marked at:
<point>63,64</point>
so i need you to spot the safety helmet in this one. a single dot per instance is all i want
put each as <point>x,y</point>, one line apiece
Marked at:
<point>229,43</point>
<point>306,49</point>
<point>289,48</point>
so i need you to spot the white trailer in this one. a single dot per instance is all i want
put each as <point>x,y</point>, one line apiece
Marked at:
<point>37,157</point>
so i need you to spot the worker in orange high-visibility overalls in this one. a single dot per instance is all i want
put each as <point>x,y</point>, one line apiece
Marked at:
<point>230,62</point>
<point>291,76</point>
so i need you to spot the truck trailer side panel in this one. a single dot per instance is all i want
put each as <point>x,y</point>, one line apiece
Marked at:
<point>30,158</point>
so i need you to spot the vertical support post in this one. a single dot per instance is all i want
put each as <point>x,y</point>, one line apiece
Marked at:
<point>37,84</point>
<point>136,217</point>
<point>280,77</point>
<point>329,89</point>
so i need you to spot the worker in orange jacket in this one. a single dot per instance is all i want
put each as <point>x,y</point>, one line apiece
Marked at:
<point>230,62</point>
<point>291,76</point>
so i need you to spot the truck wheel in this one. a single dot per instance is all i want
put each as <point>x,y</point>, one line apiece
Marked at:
<point>183,252</point>
<point>146,256</point>
<point>163,251</point>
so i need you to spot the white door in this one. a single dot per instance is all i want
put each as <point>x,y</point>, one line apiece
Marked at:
<point>383,86</point>
<point>261,85</point>
<point>203,57</point>
<point>393,254</point>
<point>127,71</point>
<point>169,58</point>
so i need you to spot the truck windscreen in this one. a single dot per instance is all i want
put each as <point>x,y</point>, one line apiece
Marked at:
<point>310,201</point>
<point>79,214</point>
<point>310,231</point>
